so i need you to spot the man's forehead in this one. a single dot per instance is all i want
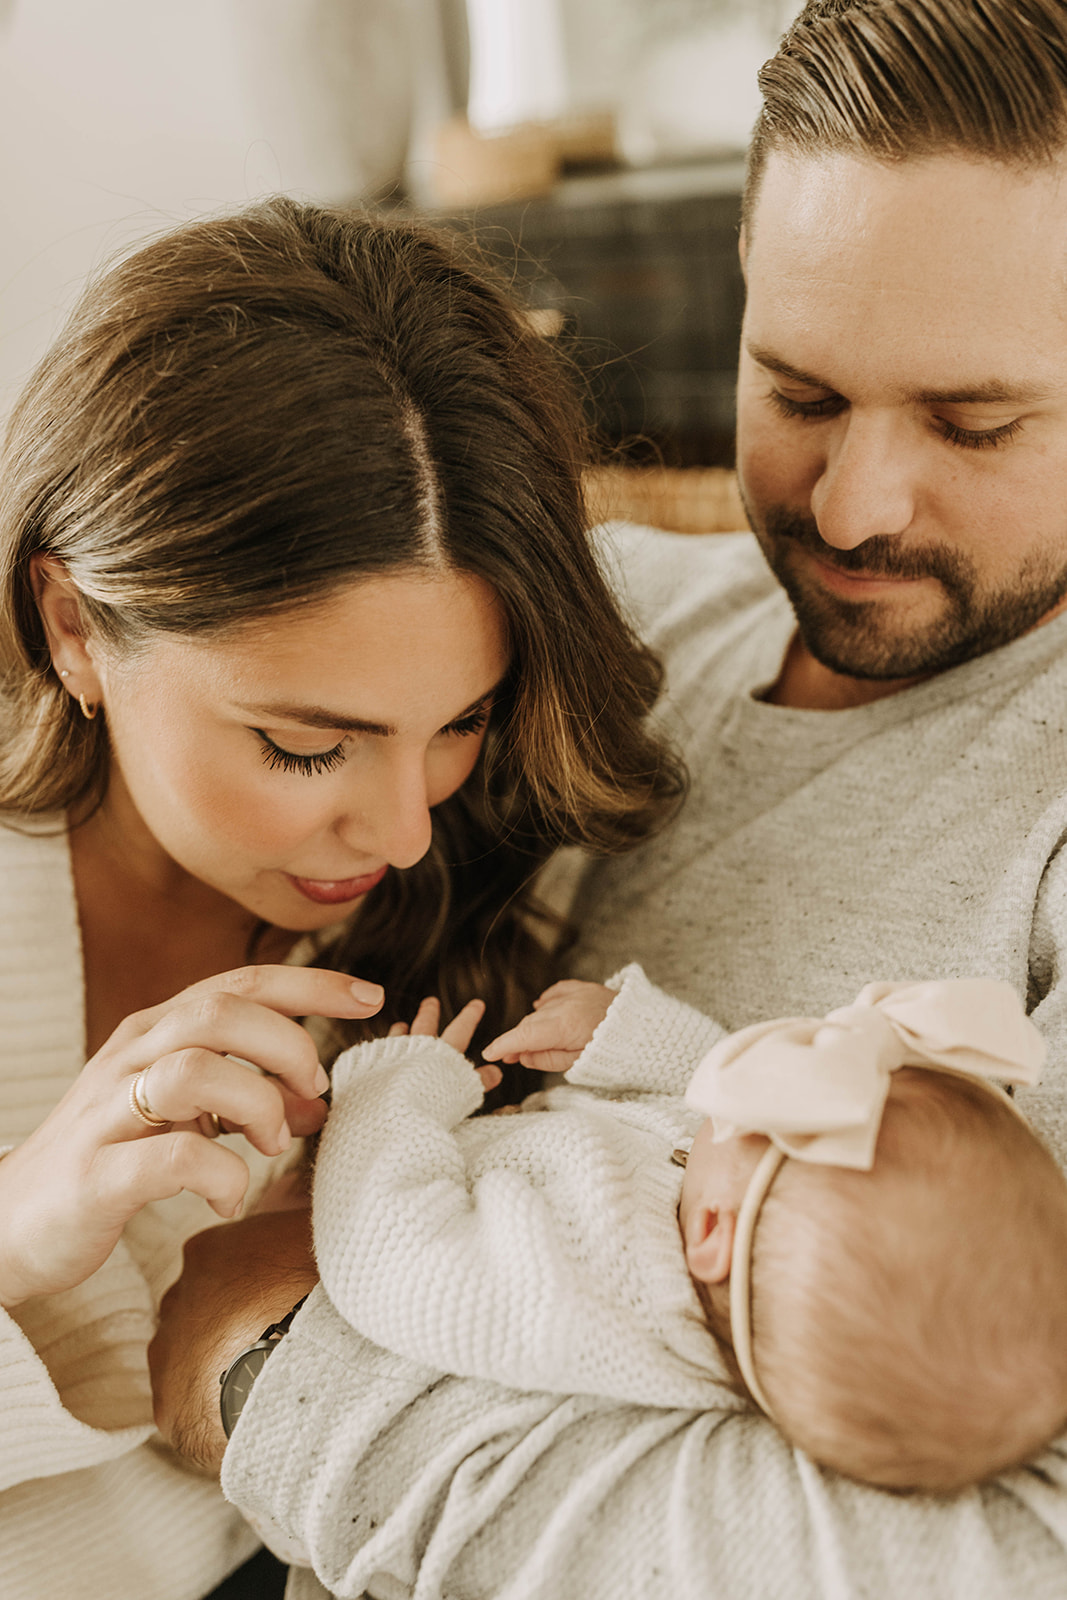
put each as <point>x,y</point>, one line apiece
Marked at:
<point>955,269</point>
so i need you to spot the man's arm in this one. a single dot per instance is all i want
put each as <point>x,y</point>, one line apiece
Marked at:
<point>376,1465</point>
<point>398,1480</point>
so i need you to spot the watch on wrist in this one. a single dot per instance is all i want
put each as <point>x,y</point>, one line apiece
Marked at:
<point>236,1382</point>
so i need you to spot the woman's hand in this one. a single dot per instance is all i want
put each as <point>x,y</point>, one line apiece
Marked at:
<point>554,1034</point>
<point>458,1034</point>
<point>68,1191</point>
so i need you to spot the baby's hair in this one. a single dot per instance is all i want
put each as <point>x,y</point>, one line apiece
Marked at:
<point>910,1324</point>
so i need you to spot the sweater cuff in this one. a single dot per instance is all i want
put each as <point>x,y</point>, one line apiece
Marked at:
<point>647,1043</point>
<point>448,1085</point>
<point>40,1438</point>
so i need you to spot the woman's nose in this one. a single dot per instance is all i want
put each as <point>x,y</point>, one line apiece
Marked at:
<point>393,820</point>
<point>865,488</point>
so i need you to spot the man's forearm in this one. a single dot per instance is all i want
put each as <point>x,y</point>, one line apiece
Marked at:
<point>378,1466</point>
<point>238,1278</point>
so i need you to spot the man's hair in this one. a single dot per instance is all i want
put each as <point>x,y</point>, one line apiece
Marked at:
<point>892,79</point>
<point>910,1324</point>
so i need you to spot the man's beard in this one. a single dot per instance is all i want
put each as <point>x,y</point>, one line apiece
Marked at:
<point>855,637</point>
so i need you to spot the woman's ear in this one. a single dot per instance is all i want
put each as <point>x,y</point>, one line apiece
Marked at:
<point>58,602</point>
<point>709,1243</point>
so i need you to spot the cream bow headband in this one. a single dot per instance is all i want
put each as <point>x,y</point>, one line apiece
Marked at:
<point>817,1087</point>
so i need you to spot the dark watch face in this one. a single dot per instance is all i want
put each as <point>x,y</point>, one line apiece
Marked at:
<point>237,1383</point>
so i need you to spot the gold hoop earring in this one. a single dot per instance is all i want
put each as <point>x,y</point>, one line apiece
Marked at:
<point>88,712</point>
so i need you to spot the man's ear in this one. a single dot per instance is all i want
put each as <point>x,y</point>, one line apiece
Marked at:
<point>59,604</point>
<point>709,1243</point>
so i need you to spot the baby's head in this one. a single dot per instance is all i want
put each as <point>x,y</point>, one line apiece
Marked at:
<point>908,1323</point>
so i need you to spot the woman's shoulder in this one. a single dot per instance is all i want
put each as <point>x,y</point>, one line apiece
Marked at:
<point>36,884</point>
<point>31,840</point>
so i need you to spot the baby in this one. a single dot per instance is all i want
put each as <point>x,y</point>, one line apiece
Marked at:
<point>866,1228</point>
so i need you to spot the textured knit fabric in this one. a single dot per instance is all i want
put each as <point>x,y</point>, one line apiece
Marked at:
<point>92,1507</point>
<point>540,1250</point>
<point>918,837</point>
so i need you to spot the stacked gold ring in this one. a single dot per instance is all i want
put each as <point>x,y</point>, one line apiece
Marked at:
<point>139,1103</point>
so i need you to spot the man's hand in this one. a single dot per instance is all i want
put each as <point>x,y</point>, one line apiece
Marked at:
<point>238,1279</point>
<point>557,1030</point>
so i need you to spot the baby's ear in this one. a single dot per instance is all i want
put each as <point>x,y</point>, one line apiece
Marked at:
<point>709,1243</point>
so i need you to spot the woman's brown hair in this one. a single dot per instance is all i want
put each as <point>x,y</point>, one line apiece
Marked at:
<point>892,79</point>
<point>254,409</point>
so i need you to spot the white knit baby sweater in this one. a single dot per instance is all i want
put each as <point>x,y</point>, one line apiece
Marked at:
<point>92,1507</point>
<point>540,1250</point>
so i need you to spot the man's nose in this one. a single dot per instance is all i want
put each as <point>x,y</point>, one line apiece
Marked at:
<point>865,488</point>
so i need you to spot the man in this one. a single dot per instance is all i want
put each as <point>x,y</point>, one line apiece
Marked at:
<point>880,764</point>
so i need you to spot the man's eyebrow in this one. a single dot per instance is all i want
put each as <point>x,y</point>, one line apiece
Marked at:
<point>993,391</point>
<point>323,717</point>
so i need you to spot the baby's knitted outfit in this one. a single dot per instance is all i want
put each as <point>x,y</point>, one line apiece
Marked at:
<point>540,1250</point>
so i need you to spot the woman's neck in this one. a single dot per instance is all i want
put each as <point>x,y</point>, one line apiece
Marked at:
<point>149,929</point>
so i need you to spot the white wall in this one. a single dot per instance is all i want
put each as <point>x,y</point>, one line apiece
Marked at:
<point>121,117</point>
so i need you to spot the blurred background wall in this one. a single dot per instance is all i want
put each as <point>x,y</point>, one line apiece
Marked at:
<point>560,121</point>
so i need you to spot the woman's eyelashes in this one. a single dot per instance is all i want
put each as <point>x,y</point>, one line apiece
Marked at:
<point>279,759</point>
<point>473,722</point>
<point>288,761</point>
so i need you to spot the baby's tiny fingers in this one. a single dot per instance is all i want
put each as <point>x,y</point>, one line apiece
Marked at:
<point>397,1029</point>
<point>534,1032</point>
<point>490,1077</point>
<point>460,1030</point>
<point>560,989</point>
<point>427,1016</point>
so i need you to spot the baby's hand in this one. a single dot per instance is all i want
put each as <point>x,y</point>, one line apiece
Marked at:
<point>458,1034</point>
<point>557,1030</point>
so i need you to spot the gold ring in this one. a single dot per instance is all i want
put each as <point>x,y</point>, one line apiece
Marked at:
<point>210,1124</point>
<point>139,1103</point>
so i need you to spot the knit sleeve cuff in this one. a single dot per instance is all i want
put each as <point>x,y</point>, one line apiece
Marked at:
<point>444,1081</point>
<point>39,1438</point>
<point>647,1043</point>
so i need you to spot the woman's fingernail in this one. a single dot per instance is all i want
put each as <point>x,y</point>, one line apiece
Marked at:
<point>285,1138</point>
<point>368,994</point>
<point>322,1081</point>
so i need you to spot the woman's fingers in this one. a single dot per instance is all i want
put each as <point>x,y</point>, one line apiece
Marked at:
<point>179,1088</point>
<point>227,1024</point>
<point>297,991</point>
<point>131,1174</point>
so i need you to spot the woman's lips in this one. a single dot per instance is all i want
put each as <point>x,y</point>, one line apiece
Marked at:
<point>335,891</point>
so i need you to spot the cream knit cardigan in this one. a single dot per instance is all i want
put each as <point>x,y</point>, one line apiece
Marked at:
<point>92,1506</point>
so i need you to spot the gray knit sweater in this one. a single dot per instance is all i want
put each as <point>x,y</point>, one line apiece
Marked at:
<point>914,838</point>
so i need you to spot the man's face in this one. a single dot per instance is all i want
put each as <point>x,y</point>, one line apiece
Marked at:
<point>902,404</point>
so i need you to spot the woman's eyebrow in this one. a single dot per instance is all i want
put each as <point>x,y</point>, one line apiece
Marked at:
<point>323,717</point>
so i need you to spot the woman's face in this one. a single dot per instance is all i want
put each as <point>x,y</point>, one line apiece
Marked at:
<point>290,763</point>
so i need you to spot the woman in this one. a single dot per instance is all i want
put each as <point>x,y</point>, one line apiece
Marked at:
<point>306,667</point>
